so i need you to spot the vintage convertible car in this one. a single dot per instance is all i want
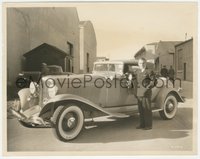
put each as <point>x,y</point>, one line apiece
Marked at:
<point>66,102</point>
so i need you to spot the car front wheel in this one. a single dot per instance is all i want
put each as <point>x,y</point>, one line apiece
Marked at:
<point>169,108</point>
<point>69,122</point>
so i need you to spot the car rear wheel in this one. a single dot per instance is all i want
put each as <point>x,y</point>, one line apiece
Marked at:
<point>169,108</point>
<point>69,122</point>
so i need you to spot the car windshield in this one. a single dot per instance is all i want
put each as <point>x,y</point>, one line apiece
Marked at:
<point>55,69</point>
<point>118,68</point>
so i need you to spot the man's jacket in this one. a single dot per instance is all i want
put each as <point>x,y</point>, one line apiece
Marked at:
<point>144,82</point>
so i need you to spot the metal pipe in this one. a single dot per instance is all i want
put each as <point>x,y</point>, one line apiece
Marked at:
<point>18,115</point>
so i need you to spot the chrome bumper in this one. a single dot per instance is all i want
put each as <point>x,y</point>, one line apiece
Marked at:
<point>33,121</point>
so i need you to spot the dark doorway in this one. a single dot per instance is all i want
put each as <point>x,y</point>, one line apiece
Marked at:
<point>184,71</point>
<point>88,68</point>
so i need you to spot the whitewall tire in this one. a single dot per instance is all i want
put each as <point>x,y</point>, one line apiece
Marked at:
<point>69,122</point>
<point>170,108</point>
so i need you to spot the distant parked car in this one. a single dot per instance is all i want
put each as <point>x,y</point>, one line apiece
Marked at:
<point>65,102</point>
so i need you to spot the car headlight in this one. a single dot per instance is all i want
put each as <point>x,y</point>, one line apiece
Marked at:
<point>32,87</point>
<point>130,77</point>
<point>52,91</point>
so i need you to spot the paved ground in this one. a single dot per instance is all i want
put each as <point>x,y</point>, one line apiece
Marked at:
<point>187,88</point>
<point>169,135</point>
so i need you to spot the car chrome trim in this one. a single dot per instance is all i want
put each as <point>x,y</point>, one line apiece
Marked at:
<point>66,97</point>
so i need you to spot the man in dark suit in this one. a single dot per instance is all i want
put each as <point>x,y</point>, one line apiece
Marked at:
<point>164,72</point>
<point>45,69</point>
<point>145,82</point>
<point>171,74</point>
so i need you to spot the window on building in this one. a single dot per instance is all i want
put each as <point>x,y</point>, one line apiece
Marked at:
<point>71,53</point>
<point>69,48</point>
<point>87,63</point>
<point>180,59</point>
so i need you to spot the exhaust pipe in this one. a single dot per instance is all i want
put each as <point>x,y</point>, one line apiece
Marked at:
<point>18,115</point>
<point>34,120</point>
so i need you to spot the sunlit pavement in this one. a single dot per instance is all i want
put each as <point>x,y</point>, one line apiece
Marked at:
<point>111,135</point>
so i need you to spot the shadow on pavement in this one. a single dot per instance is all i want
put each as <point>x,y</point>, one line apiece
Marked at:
<point>123,130</point>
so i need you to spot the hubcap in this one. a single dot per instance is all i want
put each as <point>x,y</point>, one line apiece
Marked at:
<point>71,122</point>
<point>170,107</point>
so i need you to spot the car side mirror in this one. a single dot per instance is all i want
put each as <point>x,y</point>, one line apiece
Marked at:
<point>111,77</point>
<point>128,76</point>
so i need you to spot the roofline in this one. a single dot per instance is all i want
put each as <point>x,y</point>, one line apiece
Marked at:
<point>139,51</point>
<point>49,45</point>
<point>118,61</point>
<point>143,48</point>
<point>157,43</point>
<point>183,42</point>
<point>85,22</point>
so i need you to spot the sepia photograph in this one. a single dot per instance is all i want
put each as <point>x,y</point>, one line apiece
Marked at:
<point>100,78</point>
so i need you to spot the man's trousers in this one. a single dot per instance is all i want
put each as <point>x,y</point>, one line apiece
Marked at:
<point>144,107</point>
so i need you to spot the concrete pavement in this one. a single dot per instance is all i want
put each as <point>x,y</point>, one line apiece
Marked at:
<point>187,88</point>
<point>111,135</point>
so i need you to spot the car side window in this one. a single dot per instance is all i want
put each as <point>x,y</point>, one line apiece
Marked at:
<point>125,68</point>
<point>111,67</point>
<point>130,68</point>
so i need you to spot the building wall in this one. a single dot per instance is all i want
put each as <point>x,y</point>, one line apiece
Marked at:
<point>184,54</point>
<point>167,60</point>
<point>148,52</point>
<point>88,46</point>
<point>162,53</point>
<point>28,28</point>
<point>18,42</point>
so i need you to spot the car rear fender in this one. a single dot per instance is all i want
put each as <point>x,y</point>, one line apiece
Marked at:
<point>63,99</point>
<point>162,95</point>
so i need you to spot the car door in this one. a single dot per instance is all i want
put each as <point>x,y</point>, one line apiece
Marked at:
<point>118,94</point>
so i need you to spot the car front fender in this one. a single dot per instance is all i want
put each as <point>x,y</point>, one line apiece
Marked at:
<point>62,99</point>
<point>162,95</point>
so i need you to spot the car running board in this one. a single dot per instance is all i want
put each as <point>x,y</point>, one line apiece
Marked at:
<point>119,115</point>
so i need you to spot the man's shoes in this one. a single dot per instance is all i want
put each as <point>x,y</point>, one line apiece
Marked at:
<point>139,127</point>
<point>147,128</point>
